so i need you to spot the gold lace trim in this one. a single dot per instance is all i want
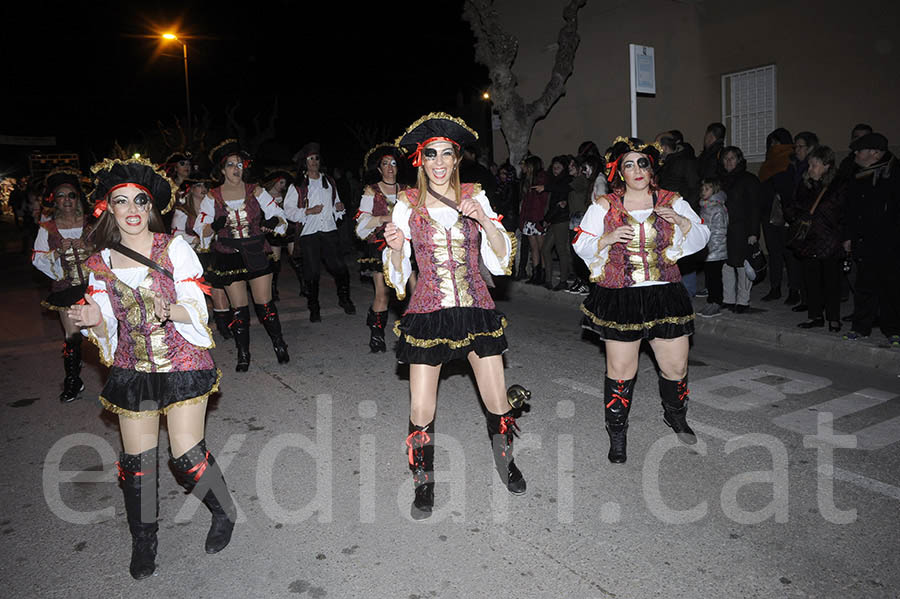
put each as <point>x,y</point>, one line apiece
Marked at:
<point>638,326</point>
<point>451,343</point>
<point>434,116</point>
<point>108,163</point>
<point>185,402</point>
<point>50,306</point>
<point>386,271</point>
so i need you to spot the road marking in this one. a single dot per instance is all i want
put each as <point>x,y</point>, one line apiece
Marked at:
<point>878,435</point>
<point>754,387</point>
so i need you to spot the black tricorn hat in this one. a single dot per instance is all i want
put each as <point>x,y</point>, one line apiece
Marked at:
<point>625,145</point>
<point>113,173</point>
<point>62,176</point>
<point>870,141</point>
<point>179,156</point>
<point>373,157</point>
<point>228,147</point>
<point>435,126</point>
<point>309,149</point>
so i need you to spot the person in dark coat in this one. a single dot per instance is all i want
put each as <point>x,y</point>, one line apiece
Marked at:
<point>872,236</point>
<point>779,149</point>
<point>821,197</point>
<point>678,172</point>
<point>709,160</point>
<point>557,222</point>
<point>742,190</point>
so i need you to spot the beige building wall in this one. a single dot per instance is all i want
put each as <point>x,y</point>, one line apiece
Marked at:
<point>837,64</point>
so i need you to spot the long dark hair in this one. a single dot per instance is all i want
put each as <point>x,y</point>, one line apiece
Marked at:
<point>106,232</point>
<point>536,165</point>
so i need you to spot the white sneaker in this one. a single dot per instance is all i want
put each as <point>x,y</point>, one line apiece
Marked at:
<point>702,293</point>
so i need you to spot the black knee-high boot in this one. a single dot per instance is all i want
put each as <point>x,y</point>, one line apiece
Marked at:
<point>421,463</point>
<point>276,270</point>
<point>138,474</point>
<point>502,429</point>
<point>617,394</point>
<point>674,396</point>
<point>312,300</point>
<point>268,316</point>
<point>72,384</point>
<point>222,319</point>
<point>376,321</point>
<point>297,265</point>
<point>197,466</point>
<point>240,328</point>
<point>343,292</point>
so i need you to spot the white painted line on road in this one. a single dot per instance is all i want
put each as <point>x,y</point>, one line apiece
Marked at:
<point>864,482</point>
<point>878,435</point>
<point>754,387</point>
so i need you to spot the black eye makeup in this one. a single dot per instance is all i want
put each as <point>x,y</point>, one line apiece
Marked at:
<point>429,153</point>
<point>643,163</point>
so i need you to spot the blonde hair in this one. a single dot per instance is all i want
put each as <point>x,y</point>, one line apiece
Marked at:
<point>455,185</point>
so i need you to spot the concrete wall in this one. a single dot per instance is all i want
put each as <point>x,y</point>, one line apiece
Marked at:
<point>838,64</point>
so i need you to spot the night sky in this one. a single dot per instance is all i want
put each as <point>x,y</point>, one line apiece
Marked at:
<point>93,72</point>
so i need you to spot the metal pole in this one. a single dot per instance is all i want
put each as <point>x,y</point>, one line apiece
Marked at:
<point>631,52</point>
<point>187,94</point>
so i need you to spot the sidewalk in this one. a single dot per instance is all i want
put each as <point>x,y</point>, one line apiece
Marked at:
<point>769,324</point>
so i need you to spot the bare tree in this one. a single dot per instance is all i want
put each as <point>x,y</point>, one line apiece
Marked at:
<point>496,49</point>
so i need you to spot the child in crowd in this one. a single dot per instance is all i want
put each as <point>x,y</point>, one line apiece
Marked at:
<point>715,216</point>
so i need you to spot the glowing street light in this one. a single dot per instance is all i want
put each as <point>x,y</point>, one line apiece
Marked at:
<point>187,88</point>
<point>486,96</point>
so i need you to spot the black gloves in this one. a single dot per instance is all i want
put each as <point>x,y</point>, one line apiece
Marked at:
<point>219,223</point>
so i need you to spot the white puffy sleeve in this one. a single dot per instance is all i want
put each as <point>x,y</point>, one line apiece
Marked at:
<point>497,265</point>
<point>692,241</point>
<point>189,295</point>
<point>271,208</point>
<point>364,218</point>
<point>338,214</point>
<point>291,205</point>
<point>394,278</point>
<point>179,227</point>
<point>587,239</point>
<point>43,258</point>
<point>205,217</point>
<point>106,334</point>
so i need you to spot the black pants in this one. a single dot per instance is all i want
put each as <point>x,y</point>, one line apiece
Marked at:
<point>877,295</point>
<point>775,244</point>
<point>823,287</point>
<point>713,272</point>
<point>317,247</point>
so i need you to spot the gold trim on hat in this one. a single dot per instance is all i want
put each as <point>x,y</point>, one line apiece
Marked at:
<point>375,149</point>
<point>108,163</point>
<point>221,144</point>
<point>434,116</point>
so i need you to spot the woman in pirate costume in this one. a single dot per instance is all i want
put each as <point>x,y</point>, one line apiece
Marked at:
<point>451,314</point>
<point>374,213</point>
<point>145,310</point>
<point>184,217</point>
<point>240,215</point>
<point>276,182</point>
<point>631,239</point>
<point>179,168</point>
<point>60,249</point>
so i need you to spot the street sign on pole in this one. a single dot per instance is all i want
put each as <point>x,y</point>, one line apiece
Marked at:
<point>642,70</point>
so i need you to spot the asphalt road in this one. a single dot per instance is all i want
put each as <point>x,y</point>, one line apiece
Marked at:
<point>768,504</point>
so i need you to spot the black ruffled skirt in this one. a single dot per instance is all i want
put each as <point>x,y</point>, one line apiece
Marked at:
<point>371,260</point>
<point>635,313</point>
<point>225,269</point>
<point>141,394</point>
<point>64,299</point>
<point>449,334</point>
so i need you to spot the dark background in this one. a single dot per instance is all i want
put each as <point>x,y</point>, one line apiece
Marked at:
<point>95,73</point>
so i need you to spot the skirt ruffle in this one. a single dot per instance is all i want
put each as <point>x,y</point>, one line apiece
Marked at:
<point>140,394</point>
<point>65,298</point>
<point>225,269</point>
<point>371,260</point>
<point>450,334</point>
<point>635,313</point>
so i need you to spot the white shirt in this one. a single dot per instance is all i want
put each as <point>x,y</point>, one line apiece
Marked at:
<point>446,217</point>
<point>267,203</point>
<point>587,247</point>
<point>189,296</point>
<point>316,196</point>
<point>365,224</point>
<point>45,260</point>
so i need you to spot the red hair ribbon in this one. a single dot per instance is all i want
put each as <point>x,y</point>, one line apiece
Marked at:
<point>246,164</point>
<point>201,283</point>
<point>99,208</point>
<point>416,156</point>
<point>612,168</point>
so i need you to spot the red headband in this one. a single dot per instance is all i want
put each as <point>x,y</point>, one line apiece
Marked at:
<point>100,207</point>
<point>416,156</point>
<point>615,164</point>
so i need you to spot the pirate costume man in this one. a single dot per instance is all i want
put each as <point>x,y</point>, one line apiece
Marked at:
<point>375,205</point>
<point>451,314</point>
<point>637,294</point>
<point>59,252</point>
<point>240,251</point>
<point>149,323</point>
<point>313,202</point>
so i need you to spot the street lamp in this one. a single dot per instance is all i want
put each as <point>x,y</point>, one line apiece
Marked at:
<point>187,87</point>
<point>486,96</point>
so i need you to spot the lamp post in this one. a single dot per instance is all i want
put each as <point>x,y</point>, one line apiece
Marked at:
<point>187,86</point>
<point>486,96</point>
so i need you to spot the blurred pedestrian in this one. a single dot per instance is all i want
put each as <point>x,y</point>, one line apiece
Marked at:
<point>742,201</point>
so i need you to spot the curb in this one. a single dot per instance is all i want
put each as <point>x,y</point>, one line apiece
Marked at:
<point>749,329</point>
